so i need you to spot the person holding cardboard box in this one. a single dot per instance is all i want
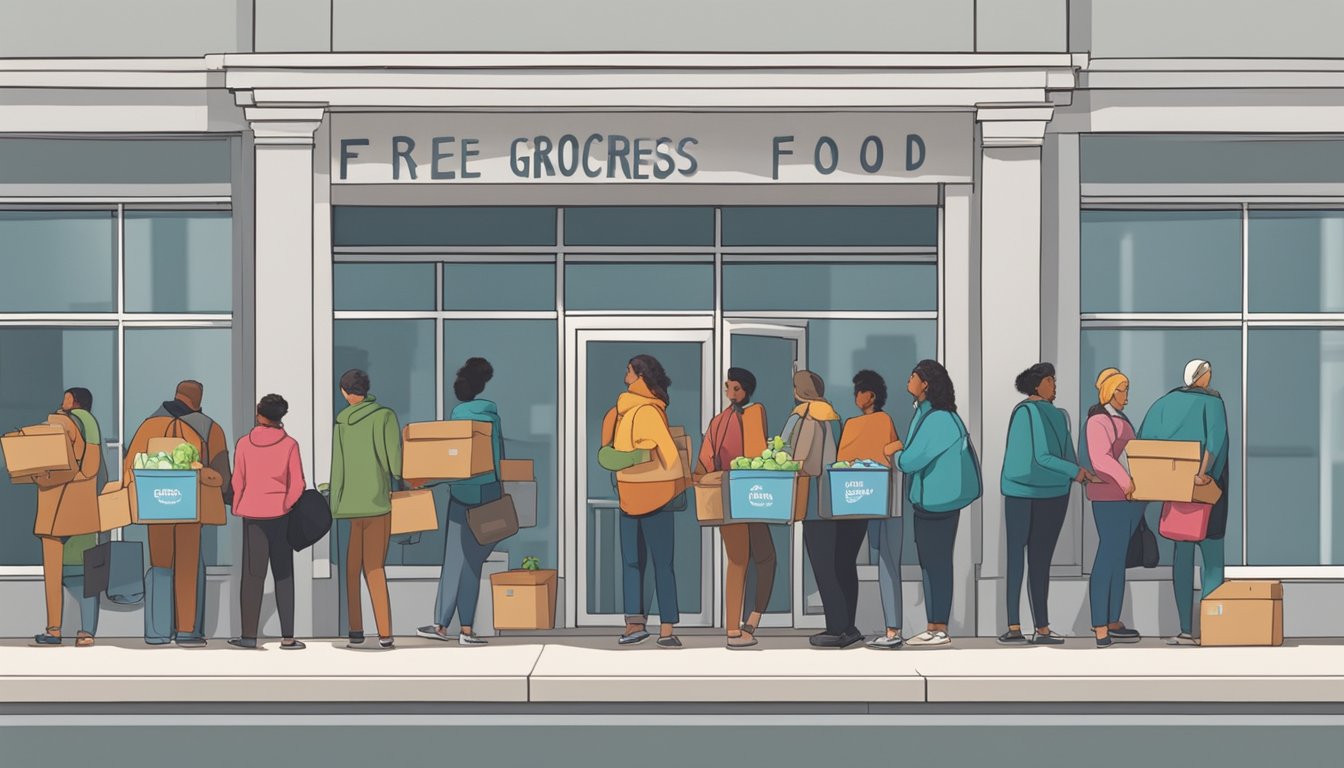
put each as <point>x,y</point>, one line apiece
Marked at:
<point>365,457</point>
<point>1117,517</point>
<point>1039,465</point>
<point>944,478</point>
<point>67,504</point>
<point>267,483</point>
<point>1195,413</point>
<point>176,567</point>
<point>463,555</point>
<point>740,430</point>
<point>650,481</point>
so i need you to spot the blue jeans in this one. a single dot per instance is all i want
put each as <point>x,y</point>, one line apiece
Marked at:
<point>644,538</point>
<point>889,535</point>
<point>1116,522</point>
<point>72,576</point>
<point>460,578</point>
<point>1183,575</point>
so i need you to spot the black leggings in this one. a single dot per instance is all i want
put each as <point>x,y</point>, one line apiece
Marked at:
<point>266,541</point>
<point>833,548</point>
<point>1033,530</point>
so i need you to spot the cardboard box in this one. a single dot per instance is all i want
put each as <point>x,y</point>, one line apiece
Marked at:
<point>414,511</point>
<point>523,599</point>
<point>1163,470</point>
<point>37,449</point>
<point>446,450</point>
<point>709,499</point>
<point>516,471</point>
<point>1243,613</point>
<point>114,507</point>
<point>165,496</point>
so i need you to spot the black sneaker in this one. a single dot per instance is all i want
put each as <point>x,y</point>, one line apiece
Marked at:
<point>1125,635</point>
<point>249,643</point>
<point>1049,638</point>
<point>1013,637</point>
<point>826,640</point>
<point>190,642</point>
<point>671,641</point>
<point>356,640</point>
<point>850,637</point>
<point>386,644</point>
<point>1105,642</point>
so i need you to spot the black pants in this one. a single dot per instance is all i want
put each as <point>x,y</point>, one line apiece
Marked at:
<point>1033,530</point>
<point>935,539</point>
<point>833,548</point>
<point>264,541</point>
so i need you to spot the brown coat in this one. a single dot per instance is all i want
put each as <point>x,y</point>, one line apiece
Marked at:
<point>67,501</point>
<point>215,485</point>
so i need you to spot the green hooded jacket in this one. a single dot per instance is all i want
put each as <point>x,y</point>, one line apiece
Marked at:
<point>365,457</point>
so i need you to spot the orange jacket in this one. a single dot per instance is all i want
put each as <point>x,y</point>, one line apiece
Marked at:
<point>753,434</point>
<point>639,422</point>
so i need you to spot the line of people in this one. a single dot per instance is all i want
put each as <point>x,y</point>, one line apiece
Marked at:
<point>261,488</point>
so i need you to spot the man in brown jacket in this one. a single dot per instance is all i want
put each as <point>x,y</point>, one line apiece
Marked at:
<point>67,502</point>
<point>177,546</point>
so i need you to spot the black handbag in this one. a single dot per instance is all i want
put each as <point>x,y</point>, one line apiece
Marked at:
<point>309,520</point>
<point>1142,548</point>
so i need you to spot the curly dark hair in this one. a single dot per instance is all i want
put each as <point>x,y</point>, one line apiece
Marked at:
<point>472,378</point>
<point>871,381</point>
<point>651,371</point>
<point>274,407</point>
<point>745,379</point>
<point>942,395</point>
<point>1030,380</point>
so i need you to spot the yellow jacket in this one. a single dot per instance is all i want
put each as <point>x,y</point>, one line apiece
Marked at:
<point>639,422</point>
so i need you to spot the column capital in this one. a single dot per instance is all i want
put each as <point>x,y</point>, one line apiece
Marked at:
<point>285,125</point>
<point>1013,125</point>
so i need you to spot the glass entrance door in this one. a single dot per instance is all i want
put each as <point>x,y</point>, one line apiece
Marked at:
<point>602,355</point>
<point>773,352</point>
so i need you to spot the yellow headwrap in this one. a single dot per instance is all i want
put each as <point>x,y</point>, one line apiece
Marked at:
<point>1108,381</point>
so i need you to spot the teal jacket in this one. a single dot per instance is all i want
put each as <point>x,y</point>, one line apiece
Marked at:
<point>931,461</point>
<point>1039,462</point>
<point>469,491</point>
<point>365,456</point>
<point>1193,415</point>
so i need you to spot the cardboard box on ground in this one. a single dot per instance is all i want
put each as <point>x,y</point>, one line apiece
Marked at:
<point>524,600</point>
<point>1243,613</point>
<point>1165,470</point>
<point>446,450</point>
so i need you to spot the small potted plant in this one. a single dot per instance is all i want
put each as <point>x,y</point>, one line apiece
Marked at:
<point>524,598</point>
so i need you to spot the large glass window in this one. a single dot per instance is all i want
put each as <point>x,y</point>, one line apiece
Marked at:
<point>830,287</point>
<point>639,287</point>
<point>1166,263</point>
<point>1172,261</point>
<point>838,226</point>
<point>384,286</point>
<point>58,261</point>
<point>64,265</point>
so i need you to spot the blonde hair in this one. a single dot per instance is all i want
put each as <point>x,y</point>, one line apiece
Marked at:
<point>1108,382</point>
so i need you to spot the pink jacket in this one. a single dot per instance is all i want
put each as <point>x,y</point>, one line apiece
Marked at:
<point>1107,437</point>
<point>267,474</point>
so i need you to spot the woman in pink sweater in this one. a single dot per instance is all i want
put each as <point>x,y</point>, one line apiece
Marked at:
<point>1108,432</point>
<point>267,483</point>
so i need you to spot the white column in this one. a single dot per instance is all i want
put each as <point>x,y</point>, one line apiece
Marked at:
<point>1010,328</point>
<point>284,324</point>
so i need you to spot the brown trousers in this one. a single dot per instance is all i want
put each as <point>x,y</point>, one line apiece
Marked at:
<point>178,546</point>
<point>53,562</point>
<point>367,554</point>
<point>744,543</point>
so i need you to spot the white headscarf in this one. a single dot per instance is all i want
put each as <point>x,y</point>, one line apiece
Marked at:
<point>1194,370</point>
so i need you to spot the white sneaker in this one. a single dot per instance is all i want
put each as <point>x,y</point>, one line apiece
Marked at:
<point>472,639</point>
<point>1182,639</point>
<point>929,640</point>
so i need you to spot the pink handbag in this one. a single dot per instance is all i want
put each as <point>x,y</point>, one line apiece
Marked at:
<point>1185,520</point>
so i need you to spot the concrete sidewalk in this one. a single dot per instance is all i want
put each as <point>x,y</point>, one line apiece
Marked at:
<point>593,671</point>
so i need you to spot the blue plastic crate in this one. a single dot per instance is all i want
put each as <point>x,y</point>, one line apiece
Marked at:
<point>167,495</point>
<point>860,494</point>
<point>760,496</point>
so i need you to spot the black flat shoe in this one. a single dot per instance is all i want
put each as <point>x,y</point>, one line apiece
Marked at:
<point>827,640</point>
<point>1105,642</point>
<point>1013,637</point>
<point>670,641</point>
